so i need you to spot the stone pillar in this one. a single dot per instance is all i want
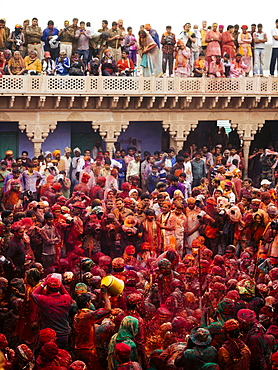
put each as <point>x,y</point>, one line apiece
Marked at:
<point>110,131</point>
<point>246,132</point>
<point>246,149</point>
<point>179,131</point>
<point>37,133</point>
<point>37,147</point>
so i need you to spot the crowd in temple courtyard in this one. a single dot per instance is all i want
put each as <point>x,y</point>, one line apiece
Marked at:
<point>77,49</point>
<point>139,260</point>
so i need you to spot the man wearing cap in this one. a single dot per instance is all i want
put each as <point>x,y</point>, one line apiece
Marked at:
<point>254,339</point>
<point>153,33</point>
<point>114,41</point>
<point>66,35</point>
<point>16,249</point>
<point>228,192</point>
<point>67,159</point>
<point>34,34</point>
<point>234,354</point>
<point>9,158</point>
<point>17,39</point>
<point>26,23</point>
<point>198,352</point>
<point>265,184</point>
<point>54,304</point>
<point>61,163</point>
<point>51,40</point>
<point>123,352</point>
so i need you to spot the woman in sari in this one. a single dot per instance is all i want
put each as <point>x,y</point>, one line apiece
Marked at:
<point>126,334</point>
<point>150,55</point>
<point>16,65</point>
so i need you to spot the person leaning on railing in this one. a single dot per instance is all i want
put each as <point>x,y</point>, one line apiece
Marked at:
<point>16,65</point>
<point>32,63</point>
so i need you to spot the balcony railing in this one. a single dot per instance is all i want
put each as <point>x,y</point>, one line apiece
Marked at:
<point>128,86</point>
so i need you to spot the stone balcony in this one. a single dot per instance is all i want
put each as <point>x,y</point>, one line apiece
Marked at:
<point>89,92</point>
<point>38,103</point>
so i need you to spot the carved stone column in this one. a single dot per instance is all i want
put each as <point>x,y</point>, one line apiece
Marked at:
<point>246,132</point>
<point>179,131</point>
<point>37,133</point>
<point>110,131</point>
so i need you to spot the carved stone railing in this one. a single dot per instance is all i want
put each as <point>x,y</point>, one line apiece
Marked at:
<point>128,86</point>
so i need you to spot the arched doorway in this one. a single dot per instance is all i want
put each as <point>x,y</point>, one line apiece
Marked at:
<point>72,134</point>
<point>145,136</point>
<point>267,136</point>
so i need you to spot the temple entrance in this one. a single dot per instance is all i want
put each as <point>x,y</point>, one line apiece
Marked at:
<point>144,136</point>
<point>72,134</point>
<point>266,137</point>
<point>212,133</point>
<point>84,137</point>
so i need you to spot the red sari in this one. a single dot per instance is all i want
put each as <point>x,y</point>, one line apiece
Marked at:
<point>228,45</point>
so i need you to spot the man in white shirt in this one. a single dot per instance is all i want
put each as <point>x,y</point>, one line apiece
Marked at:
<point>67,160</point>
<point>133,168</point>
<point>274,55</point>
<point>196,47</point>
<point>233,155</point>
<point>260,38</point>
<point>187,168</point>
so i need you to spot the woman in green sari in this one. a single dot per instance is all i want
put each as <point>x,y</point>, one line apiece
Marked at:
<point>126,334</point>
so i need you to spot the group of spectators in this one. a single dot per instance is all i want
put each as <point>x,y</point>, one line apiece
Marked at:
<point>191,243</point>
<point>78,50</point>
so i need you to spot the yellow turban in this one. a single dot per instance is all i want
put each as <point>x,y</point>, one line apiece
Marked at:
<point>57,151</point>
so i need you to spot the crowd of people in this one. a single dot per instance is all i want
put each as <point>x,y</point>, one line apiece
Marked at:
<point>78,50</point>
<point>192,245</point>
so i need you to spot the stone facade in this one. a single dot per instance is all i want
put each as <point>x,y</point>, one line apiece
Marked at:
<point>38,103</point>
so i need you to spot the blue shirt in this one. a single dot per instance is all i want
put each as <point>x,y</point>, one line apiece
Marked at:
<point>155,36</point>
<point>48,32</point>
<point>122,170</point>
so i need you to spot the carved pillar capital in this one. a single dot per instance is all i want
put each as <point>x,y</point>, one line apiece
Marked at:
<point>110,131</point>
<point>179,131</point>
<point>246,131</point>
<point>37,132</point>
